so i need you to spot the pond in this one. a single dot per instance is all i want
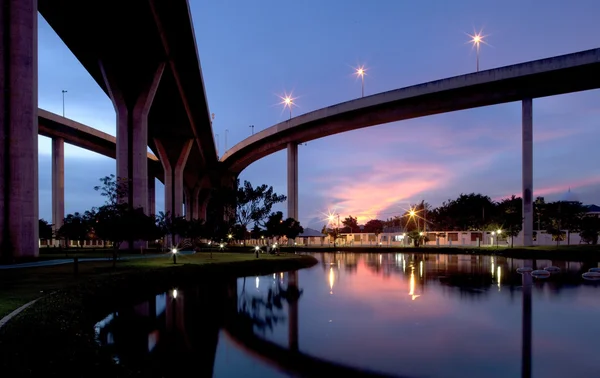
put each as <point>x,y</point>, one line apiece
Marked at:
<point>391,314</point>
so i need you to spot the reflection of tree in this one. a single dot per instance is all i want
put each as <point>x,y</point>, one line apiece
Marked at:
<point>263,313</point>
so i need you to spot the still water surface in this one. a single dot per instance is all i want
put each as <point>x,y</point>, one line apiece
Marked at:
<point>413,315</point>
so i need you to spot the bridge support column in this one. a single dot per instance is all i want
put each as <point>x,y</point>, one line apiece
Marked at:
<point>200,209</point>
<point>58,183</point>
<point>132,105</point>
<point>151,195</point>
<point>19,233</point>
<point>292,180</point>
<point>527,172</point>
<point>191,203</point>
<point>173,159</point>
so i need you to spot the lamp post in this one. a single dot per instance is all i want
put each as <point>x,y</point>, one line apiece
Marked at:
<point>256,250</point>
<point>287,101</point>
<point>226,132</point>
<point>174,252</point>
<point>63,98</point>
<point>498,237</point>
<point>360,71</point>
<point>476,40</point>
<point>252,127</point>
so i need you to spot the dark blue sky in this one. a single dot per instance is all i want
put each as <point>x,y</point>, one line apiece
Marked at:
<point>253,51</point>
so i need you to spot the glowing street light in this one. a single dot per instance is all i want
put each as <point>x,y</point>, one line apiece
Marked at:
<point>498,236</point>
<point>256,250</point>
<point>287,101</point>
<point>174,252</point>
<point>476,40</point>
<point>360,72</point>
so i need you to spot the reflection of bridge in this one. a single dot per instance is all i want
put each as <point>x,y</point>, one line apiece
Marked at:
<point>183,327</point>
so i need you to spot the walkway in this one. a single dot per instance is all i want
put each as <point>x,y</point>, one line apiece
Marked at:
<point>70,261</point>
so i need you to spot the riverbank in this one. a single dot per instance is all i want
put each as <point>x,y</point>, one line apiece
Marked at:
<point>563,252</point>
<point>55,336</point>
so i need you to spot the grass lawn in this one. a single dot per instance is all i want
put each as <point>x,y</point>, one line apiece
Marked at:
<point>19,286</point>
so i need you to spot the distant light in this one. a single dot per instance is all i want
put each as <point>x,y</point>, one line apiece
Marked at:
<point>499,232</point>
<point>411,213</point>
<point>257,248</point>
<point>221,245</point>
<point>174,293</point>
<point>229,236</point>
<point>174,250</point>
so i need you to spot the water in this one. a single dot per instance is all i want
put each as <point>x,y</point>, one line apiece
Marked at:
<point>413,315</point>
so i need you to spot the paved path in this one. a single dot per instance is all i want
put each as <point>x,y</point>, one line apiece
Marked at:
<point>86,259</point>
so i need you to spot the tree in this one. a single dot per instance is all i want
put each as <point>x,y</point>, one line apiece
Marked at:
<point>256,232</point>
<point>351,224</point>
<point>75,226</point>
<point>510,216</point>
<point>45,230</point>
<point>417,237</point>
<point>255,204</point>
<point>113,189</point>
<point>589,229</point>
<point>274,226</point>
<point>374,226</point>
<point>292,228</point>
<point>469,212</point>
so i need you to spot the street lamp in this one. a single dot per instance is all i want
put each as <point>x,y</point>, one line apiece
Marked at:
<point>63,95</point>
<point>476,40</point>
<point>252,127</point>
<point>256,250</point>
<point>174,252</point>
<point>287,101</point>
<point>360,72</point>
<point>498,236</point>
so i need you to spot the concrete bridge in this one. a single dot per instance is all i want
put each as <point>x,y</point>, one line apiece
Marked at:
<point>146,60</point>
<point>520,82</point>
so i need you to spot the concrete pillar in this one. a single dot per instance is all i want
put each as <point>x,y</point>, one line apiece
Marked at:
<point>132,105</point>
<point>292,180</point>
<point>58,182</point>
<point>173,160</point>
<point>19,234</point>
<point>527,172</point>
<point>203,197</point>
<point>189,203</point>
<point>151,195</point>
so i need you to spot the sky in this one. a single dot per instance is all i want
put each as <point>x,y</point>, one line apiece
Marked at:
<point>253,52</point>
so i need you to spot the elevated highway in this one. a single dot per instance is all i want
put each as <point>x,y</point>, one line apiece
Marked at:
<point>61,130</point>
<point>519,82</point>
<point>143,55</point>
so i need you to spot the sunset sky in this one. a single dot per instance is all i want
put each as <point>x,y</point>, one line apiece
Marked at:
<point>251,52</point>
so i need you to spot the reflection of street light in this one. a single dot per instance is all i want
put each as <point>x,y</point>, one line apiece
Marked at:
<point>174,293</point>
<point>174,252</point>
